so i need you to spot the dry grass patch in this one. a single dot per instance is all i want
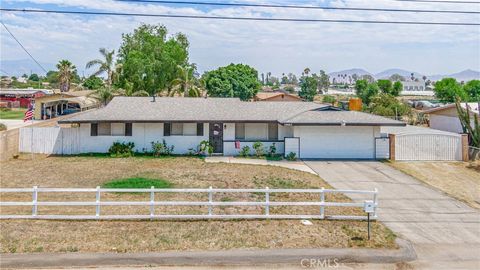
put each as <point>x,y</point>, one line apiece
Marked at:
<point>460,180</point>
<point>181,172</point>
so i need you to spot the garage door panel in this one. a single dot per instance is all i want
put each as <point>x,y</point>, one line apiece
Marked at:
<point>336,142</point>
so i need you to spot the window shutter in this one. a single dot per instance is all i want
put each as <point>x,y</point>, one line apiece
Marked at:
<point>93,129</point>
<point>199,129</point>
<point>128,129</point>
<point>166,129</point>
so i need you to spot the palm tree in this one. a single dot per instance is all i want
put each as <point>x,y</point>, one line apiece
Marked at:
<point>104,94</point>
<point>66,71</point>
<point>128,91</point>
<point>306,71</point>
<point>104,65</point>
<point>186,83</point>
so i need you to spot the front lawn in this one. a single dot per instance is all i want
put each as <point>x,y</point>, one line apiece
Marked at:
<point>14,114</point>
<point>151,236</point>
<point>460,180</point>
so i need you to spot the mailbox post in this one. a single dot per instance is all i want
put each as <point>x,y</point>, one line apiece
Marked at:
<point>369,207</point>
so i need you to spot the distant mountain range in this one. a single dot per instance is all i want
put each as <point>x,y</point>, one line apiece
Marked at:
<point>465,75</point>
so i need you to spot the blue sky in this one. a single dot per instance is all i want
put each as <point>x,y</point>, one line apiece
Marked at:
<point>268,46</point>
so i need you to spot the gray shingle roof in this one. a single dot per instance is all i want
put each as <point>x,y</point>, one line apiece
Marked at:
<point>178,109</point>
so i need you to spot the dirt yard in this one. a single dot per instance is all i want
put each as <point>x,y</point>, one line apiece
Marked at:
<point>460,180</point>
<point>144,236</point>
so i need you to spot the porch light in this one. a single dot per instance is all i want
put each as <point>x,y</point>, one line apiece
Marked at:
<point>75,125</point>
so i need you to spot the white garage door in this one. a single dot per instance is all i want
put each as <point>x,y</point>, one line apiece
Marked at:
<point>336,142</point>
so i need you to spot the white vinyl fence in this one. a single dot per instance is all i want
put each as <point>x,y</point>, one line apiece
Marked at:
<point>417,146</point>
<point>49,140</point>
<point>368,205</point>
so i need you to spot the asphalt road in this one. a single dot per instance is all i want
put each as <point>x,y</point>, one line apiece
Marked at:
<point>445,232</point>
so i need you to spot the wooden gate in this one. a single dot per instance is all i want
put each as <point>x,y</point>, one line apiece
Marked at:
<point>49,140</point>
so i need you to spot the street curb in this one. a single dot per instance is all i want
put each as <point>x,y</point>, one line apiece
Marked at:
<point>404,253</point>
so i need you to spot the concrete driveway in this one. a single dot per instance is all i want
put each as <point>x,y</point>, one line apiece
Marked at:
<point>444,231</point>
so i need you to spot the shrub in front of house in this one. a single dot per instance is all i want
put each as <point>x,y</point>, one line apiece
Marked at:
<point>272,150</point>
<point>161,148</point>
<point>121,149</point>
<point>205,148</point>
<point>245,152</point>
<point>258,147</point>
<point>291,156</point>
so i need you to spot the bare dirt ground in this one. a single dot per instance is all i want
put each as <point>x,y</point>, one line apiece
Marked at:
<point>144,236</point>
<point>460,180</point>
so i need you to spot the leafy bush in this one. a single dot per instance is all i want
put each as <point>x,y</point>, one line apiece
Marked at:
<point>5,109</point>
<point>123,149</point>
<point>205,148</point>
<point>3,127</point>
<point>161,148</point>
<point>291,156</point>
<point>272,150</point>
<point>245,152</point>
<point>258,147</point>
<point>329,99</point>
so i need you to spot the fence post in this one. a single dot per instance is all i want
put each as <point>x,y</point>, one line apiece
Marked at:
<point>97,200</point>
<point>465,154</point>
<point>375,203</point>
<point>210,200</point>
<point>322,200</point>
<point>152,200</point>
<point>267,201</point>
<point>392,146</point>
<point>34,201</point>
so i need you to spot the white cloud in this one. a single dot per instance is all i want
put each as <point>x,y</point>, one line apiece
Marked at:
<point>269,46</point>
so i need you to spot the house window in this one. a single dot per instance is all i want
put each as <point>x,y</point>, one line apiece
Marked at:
<point>239,131</point>
<point>272,131</point>
<point>111,129</point>
<point>189,129</point>
<point>104,129</point>
<point>177,129</point>
<point>199,129</point>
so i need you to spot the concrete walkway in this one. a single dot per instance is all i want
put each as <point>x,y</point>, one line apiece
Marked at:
<point>295,165</point>
<point>445,232</point>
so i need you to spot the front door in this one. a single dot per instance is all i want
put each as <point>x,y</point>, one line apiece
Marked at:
<point>216,137</point>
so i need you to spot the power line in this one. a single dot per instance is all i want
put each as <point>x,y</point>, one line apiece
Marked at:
<point>298,7</point>
<point>19,43</point>
<point>439,1</point>
<point>236,18</point>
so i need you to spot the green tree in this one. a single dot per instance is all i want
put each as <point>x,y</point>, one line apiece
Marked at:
<point>396,77</point>
<point>105,65</point>
<point>472,89</point>
<point>366,90</point>
<point>323,81</point>
<point>232,81</point>
<point>186,83</point>
<point>448,89</point>
<point>149,58</point>
<point>397,88</point>
<point>308,87</point>
<point>34,77</point>
<point>387,105</point>
<point>66,74</point>
<point>93,82</point>
<point>104,94</point>
<point>385,86</point>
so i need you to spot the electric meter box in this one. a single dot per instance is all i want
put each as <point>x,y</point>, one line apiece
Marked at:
<point>369,207</point>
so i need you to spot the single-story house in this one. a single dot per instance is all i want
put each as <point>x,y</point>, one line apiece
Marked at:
<point>276,96</point>
<point>309,129</point>
<point>19,98</point>
<point>63,103</point>
<point>446,118</point>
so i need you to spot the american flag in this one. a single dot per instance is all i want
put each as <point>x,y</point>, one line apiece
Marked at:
<point>28,114</point>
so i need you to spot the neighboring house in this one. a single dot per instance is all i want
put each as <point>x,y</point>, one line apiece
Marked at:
<point>414,85</point>
<point>308,129</point>
<point>276,96</point>
<point>446,118</point>
<point>63,103</point>
<point>19,98</point>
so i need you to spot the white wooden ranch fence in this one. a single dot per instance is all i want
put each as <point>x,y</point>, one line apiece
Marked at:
<point>321,203</point>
